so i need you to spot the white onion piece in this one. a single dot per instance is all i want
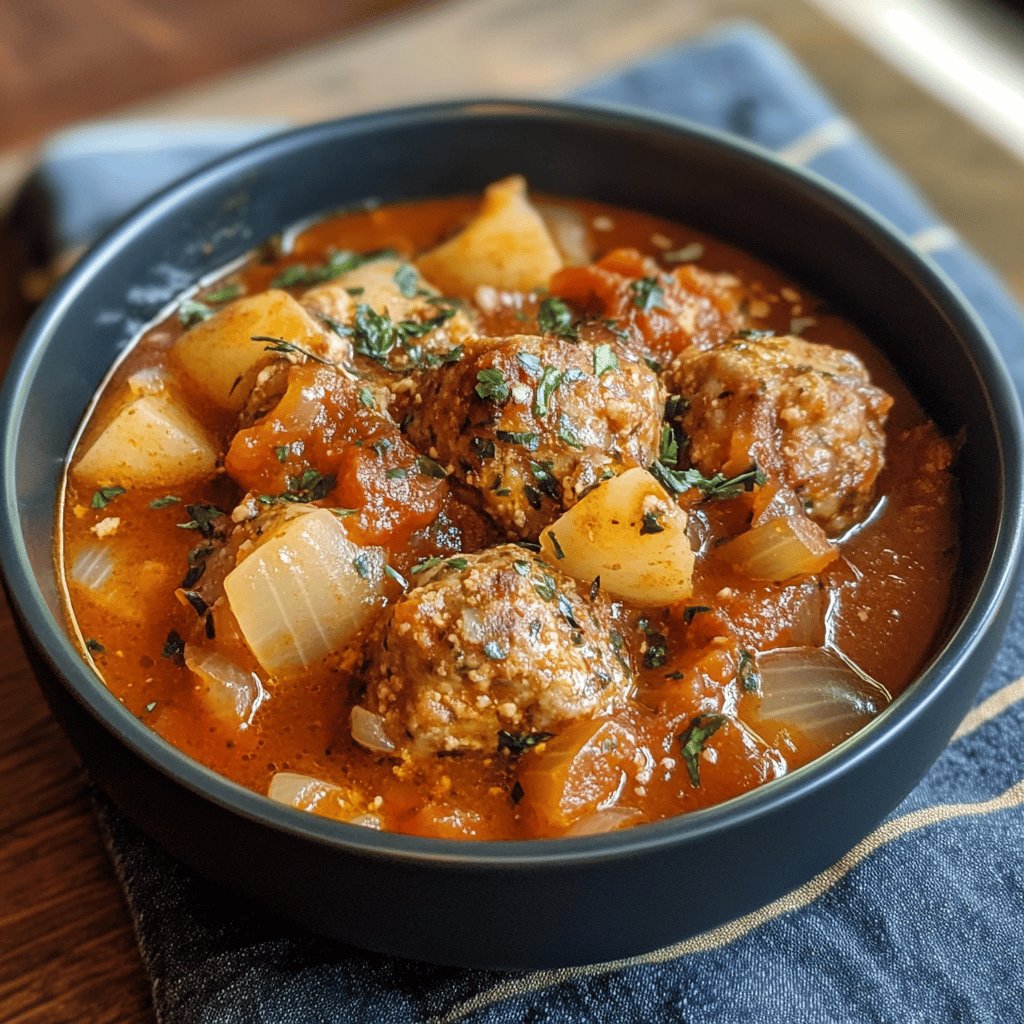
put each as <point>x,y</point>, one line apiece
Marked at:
<point>150,380</point>
<point>304,592</point>
<point>368,731</point>
<point>570,233</point>
<point>308,793</point>
<point>93,566</point>
<point>610,819</point>
<point>301,791</point>
<point>817,692</point>
<point>231,694</point>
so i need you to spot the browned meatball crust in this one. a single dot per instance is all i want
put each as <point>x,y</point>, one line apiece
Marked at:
<point>532,422</point>
<point>808,413</point>
<point>497,641</point>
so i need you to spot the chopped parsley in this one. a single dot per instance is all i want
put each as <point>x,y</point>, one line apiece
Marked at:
<point>366,398</point>
<point>287,347</point>
<point>361,564</point>
<point>495,651</point>
<point>693,739</point>
<point>715,488</point>
<point>338,263</point>
<point>167,499</point>
<point>202,518</point>
<point>457,563</point>
<point>93,645</point>
<point>225,293</point>
<point>396,473</point>
<point>549,381</point>
<point>430,467</point>
<point>199,606</point>
<point>546,588</point>
<point>669,454</point>
<point>518,742</point>
<point>753,334</point>
<point>555,546</point>
<point>651,524</point>
<point>196,565</point>
<point>555,317</point>
<point>547,483</point>
<point>407,280</point>
<point>105,495</point>
<point>567,432</point>
<point>605,360</point>
<point>746,671</point>
<point>647,293</point>
<point>491,385</point>
<point>174,645</point>
<point>693,610</point>
<point>397,577</point>
<point>482,448</point>
<point>526,438</point>
<point>530,363</point>
<point>516,793</point>
<point>192,312</point>
<point>282,451</point>
<point>375,334</point>
<point>657,649</point>
<point>310,486</point>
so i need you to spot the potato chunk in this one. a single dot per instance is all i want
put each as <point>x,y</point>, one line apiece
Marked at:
<point>631,534</point>
<point>304,592</point>
<point>152,441</point>
<point>221,359</point>
<point>506,245</point>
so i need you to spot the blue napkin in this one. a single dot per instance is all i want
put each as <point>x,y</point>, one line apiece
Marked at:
<point>922,921</point>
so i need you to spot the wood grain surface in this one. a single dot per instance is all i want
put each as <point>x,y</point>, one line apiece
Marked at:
<point>67,952</point>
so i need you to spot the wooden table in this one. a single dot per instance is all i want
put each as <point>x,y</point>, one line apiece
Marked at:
<point>66,948</point>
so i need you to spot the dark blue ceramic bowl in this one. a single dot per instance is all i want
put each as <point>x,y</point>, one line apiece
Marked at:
<point>584,899</point>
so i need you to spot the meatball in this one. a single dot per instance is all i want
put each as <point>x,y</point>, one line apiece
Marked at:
<point>808,413</point>
<point>497,641</point>
<point>532,422</point>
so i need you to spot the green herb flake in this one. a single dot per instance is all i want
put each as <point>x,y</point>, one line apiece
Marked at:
<point>693,739</point>
<point>493,650</point>
<point>174,645</point>
<point>375,334</point>
<point>343,513</point>
<point>521,567</point>
<point>549,381</point>
<point>272,344</point>
<point>225,293</point>
<point>669,455</point>
<point>491,385</point>
<point>397,577</point>
<point>202,518</point>
<point>647,293</point>
<point>527,439</point>
<point>605,360</point>
<point>657,649</point>
<point>517,743</point>
<point>310,486</point>
<point>338,263</point>
<point>595,588</point>
<point>753,334</point>
<point>567,432</point>
<point>715,488</point>
<point>282,451</point>
<point>555,317</point>
<point>195,599</point>
<point>361,564</point>
<point>167,499</point>
<point>530,363</point>
<point>546,588</point>
<point>430,467</point>
<point>693,610</point>
<point>93,645</point>
<point>746,671</point>
<point>396,473</point>
<point>555,546</point>
<point>105,495</point>
<point>482,448</point>
<point>192,312</point>
<point>366,398</point>
<point>457,563</point>
<point>427,563</point>
<point>407,280</point>
<point>651,524</point>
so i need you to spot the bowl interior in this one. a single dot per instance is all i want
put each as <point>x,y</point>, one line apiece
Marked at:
<point>727,188</point>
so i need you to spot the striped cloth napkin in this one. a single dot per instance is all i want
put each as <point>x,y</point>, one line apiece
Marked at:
<point>922,921</point>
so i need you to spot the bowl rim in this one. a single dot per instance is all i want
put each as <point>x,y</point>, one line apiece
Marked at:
<point>52,640</point>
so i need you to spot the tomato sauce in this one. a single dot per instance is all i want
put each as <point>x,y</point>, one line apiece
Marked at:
<point>694,730</point>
